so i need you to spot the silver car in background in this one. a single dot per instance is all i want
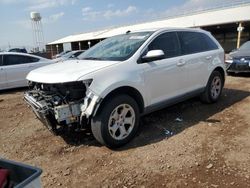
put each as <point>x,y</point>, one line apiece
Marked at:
<point>69,56</point>
<point>15,66</point>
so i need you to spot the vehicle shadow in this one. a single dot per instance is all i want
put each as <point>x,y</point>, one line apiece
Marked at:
<point>168,122</point>
<point>77,138</point>
<point>243,74</point>
<point>13,91</point>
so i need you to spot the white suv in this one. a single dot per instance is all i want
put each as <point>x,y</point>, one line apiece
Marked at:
<point>123,77</point>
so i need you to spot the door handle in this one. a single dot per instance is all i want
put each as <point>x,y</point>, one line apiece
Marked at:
<point>31,66</point>
<point>208,57</point>
<point>181,62</point>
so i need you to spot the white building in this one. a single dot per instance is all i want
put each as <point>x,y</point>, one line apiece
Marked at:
<point>229,24</point>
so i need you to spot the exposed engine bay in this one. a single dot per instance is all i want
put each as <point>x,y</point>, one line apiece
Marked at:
<point>62,104</point>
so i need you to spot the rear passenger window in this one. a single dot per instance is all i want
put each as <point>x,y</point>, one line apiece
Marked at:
<point>194,42</point>
<point>168,43</point>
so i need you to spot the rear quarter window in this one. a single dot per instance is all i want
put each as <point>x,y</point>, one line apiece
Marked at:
<point>32,59</point>
<point>195,42</point>
<point>211,45</point>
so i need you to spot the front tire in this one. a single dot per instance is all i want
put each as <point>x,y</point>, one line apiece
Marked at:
<point>117,121</point>
<point>213,89</point>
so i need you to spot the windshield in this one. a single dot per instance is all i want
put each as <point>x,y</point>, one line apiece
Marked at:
<point>245,46</point>
<point>117,48</point>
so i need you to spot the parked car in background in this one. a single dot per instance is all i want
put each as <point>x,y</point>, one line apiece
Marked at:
<point>239,60</point>
<point>69,55</point>
<point>116,81</point>
<point>15,66</point>
<point>21,50</point>
<point>60,54</point>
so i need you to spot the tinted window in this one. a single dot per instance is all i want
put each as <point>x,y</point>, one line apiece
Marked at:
<point>168,43</point>
<point>1,60</point>
<point>77,53</point>
<point>194,42</point>
<point>18,59</point>
<point>32,59</point>
<point>209,42</point>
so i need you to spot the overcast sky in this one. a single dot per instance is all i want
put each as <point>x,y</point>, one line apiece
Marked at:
<point>65,17</point>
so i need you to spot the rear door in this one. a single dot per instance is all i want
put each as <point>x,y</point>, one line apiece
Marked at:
<point>2,74</point>
<point>16,68</point>
<point>198,51</point>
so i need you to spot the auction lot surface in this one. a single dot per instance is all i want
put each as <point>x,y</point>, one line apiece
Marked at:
<point>209,147</point>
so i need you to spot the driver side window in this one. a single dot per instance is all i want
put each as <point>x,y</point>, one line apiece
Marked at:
<point>168,43</point>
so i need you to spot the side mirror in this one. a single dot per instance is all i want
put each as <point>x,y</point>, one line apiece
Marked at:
<point>153,55</point>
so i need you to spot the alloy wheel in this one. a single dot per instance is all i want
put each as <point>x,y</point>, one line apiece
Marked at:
<point>121,121</point>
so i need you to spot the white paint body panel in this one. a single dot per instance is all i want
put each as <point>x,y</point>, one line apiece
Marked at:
<point>67,71</point>
<point>164,79</point>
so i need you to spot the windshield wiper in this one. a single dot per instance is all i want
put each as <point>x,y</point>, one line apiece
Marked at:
<point>92,58</point>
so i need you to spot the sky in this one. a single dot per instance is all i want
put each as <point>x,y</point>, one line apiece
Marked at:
<point>61,18</point>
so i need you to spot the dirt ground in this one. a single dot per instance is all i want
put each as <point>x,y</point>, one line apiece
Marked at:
<point>208,146</point>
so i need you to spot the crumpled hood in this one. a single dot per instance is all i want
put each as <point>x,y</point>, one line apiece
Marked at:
<point>67,71</point>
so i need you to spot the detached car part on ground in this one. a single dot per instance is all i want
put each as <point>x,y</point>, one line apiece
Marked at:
<point>239,60</point>
<point>126,76</point>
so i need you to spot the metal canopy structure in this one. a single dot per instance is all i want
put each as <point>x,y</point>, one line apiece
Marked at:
<point>234,14</point>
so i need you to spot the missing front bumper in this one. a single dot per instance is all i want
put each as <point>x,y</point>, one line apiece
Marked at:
<point>41,111</point>
<point>66,114</point>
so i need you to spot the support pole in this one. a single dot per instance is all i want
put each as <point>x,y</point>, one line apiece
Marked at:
<point>79,44</point>
<point>57,49</point>
<point>239,29</point>
<point>51,48</point>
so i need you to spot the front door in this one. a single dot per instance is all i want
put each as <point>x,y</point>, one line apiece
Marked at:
<point>165,79</point>
<point>16,68</point>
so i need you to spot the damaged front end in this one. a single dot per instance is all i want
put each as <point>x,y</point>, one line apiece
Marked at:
<point>64,104</point>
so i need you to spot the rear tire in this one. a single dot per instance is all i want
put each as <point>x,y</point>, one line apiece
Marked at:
<point>117,121</point>
<point>213,89</point>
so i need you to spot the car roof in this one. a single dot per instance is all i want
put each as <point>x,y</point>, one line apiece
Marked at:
<point>23,54</point>
<point>17,48</point>
<point>168,29</point>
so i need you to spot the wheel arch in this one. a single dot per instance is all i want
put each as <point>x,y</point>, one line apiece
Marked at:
<point>222,72</point>
<point>127,90</point>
